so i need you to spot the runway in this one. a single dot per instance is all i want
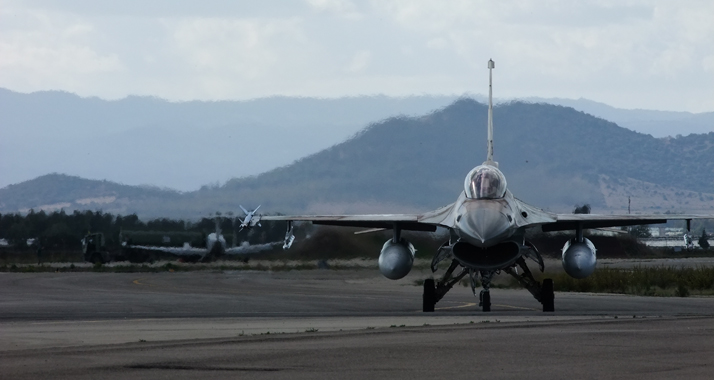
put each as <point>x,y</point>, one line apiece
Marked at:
<point>334,323</point>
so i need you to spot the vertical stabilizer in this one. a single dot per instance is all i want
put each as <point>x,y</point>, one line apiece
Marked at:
<point>489,157</point>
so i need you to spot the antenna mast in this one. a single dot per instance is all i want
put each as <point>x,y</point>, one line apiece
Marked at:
<point>491,66</point>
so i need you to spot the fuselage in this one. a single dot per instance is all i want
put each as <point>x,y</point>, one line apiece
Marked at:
<point>485,221</point>
<point>484,212</point>
<point>246,221</point>
<point>215,244</point>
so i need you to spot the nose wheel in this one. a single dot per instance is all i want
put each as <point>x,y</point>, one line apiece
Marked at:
<point>484,297</point>
<point>485,300</point>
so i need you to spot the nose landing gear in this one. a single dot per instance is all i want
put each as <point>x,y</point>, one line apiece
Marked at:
<point>484,297</point>
<point>484,300</point>
<point>434,291</point>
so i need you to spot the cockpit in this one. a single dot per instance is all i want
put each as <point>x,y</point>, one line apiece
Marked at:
<point>485,182</point>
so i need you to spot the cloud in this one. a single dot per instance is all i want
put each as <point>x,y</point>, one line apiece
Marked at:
<point>54,52</point>
<point>627,53</point>
<point>341,8</point>
<point>227,57</point>
<point>359,62</point>
<point>574,49</point>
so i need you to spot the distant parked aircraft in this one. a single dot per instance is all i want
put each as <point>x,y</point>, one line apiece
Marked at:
<point>215,248</point>
<point>249,220</point>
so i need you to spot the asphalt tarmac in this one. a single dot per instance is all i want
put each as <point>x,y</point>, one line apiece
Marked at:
<point>334,324</point>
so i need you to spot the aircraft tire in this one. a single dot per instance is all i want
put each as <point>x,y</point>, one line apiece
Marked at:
<point>547,295</point>
<point>429,297</point>
<point>486,301</point>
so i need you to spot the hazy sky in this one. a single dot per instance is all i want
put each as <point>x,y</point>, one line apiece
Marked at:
<point>630,54</point>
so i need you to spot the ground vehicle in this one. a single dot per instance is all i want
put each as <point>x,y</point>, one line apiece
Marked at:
<point>95,251</point>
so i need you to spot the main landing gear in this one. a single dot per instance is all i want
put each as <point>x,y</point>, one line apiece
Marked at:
<point>541,292</point>
<point>434,291</point>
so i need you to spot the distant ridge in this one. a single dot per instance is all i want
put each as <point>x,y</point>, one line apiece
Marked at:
<point>118,139</point>
<point>553,157</point>
<point>55,191</point>
<point>655,123</point>
<point>185,145</point>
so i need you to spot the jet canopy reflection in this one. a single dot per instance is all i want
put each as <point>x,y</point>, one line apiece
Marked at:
<point>485,182</point>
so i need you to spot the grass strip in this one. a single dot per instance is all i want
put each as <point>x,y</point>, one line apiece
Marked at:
<point>643,281</point>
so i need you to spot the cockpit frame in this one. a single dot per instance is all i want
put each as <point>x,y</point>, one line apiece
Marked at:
<point>485,182</point>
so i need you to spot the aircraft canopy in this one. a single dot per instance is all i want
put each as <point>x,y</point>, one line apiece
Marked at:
<point>485,182</point>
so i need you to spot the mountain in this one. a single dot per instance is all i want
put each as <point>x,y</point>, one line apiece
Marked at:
<point>553,157</point>
<point>655,123</point>
<point>53,192</point>
<point>184,145</point>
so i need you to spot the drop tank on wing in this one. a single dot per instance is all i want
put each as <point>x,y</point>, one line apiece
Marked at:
<point>396,259</point>
<point>579,258</point>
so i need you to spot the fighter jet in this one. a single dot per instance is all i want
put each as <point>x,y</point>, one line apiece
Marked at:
<point>250,219</point>
<point>487,227</point>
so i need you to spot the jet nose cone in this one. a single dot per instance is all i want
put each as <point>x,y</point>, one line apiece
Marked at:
<point>484,225</point>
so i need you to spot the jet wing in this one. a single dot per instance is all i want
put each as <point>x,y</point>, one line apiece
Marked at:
<point>248,249</point>
<point>413,222</point>
<point>532,216</point>
<point>178,251</point>
<point>585,221</point>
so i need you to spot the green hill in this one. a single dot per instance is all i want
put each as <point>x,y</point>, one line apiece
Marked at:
<point>59,191</point>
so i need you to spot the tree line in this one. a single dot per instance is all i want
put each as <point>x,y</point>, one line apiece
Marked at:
<point>61,230</point>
